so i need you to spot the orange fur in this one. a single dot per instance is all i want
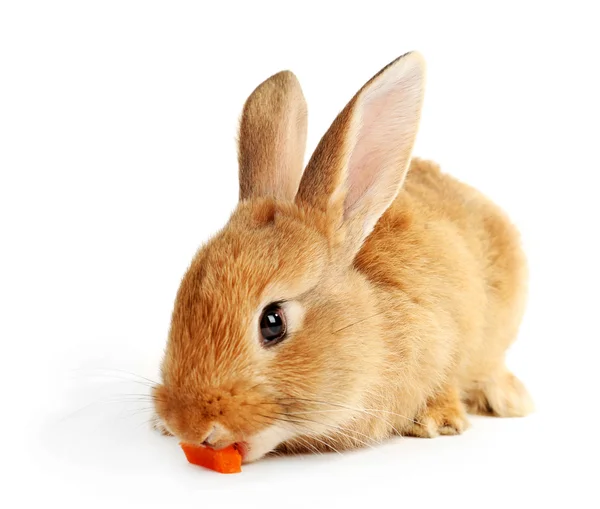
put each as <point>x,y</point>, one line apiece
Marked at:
<point>408,288</point>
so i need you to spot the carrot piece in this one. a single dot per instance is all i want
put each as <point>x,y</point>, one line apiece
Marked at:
<point>225,461</point>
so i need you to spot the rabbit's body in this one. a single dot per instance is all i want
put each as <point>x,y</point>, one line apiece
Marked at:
<point>449,259</point>
<point>347,302</point>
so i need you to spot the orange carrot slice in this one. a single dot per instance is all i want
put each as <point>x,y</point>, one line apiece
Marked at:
<point>225,461</point>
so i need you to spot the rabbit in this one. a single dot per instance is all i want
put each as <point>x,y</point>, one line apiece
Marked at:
<point>368,296</point>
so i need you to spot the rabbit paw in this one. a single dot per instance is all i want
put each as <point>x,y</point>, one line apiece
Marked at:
<point>443,415</point>
<point>504,395</point>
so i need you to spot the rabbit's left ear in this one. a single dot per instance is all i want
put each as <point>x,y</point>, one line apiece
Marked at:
<point>272,139</point>
<point>360,163</point>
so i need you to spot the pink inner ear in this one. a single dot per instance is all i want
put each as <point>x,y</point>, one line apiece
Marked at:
<point>390,114</point>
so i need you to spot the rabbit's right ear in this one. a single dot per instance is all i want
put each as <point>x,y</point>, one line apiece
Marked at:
<point>360,163</point>
<point>272,139</point>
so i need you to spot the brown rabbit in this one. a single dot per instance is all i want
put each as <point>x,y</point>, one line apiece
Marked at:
<point>369,295</point>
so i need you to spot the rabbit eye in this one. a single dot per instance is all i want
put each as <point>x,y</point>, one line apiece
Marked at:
<point>272,325</point>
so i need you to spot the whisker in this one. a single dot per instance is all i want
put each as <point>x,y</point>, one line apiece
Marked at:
<point>359,321</point>
<point>124,379</point>
<point>131,373</point>
<point>128,399</point>
<point>303,427</point>
<point>296,425</point>
<point>137,412</point>
<point>325,444</point>
<point>345,432</point>
<point>136,394</point>
<point>103,401</point>
<point>272,418</point>
<point>311,435</point>
<point>353,439</point>
<point>365,411</point>
<point>357,409</point>
<point>344,428</point>
<point>308,444</point>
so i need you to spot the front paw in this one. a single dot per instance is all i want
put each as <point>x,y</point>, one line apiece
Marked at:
<point>443,415</point>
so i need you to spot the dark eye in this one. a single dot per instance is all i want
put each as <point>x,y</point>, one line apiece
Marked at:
<point>272,325</point>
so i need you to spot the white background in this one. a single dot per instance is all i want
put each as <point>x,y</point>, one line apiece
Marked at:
<point>117,157</point>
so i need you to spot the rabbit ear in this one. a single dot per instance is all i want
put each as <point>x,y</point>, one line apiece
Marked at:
<point>272,139</point>
<point>360,164</point>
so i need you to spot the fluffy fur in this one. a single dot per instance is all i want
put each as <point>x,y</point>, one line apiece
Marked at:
<point>403,287</point>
